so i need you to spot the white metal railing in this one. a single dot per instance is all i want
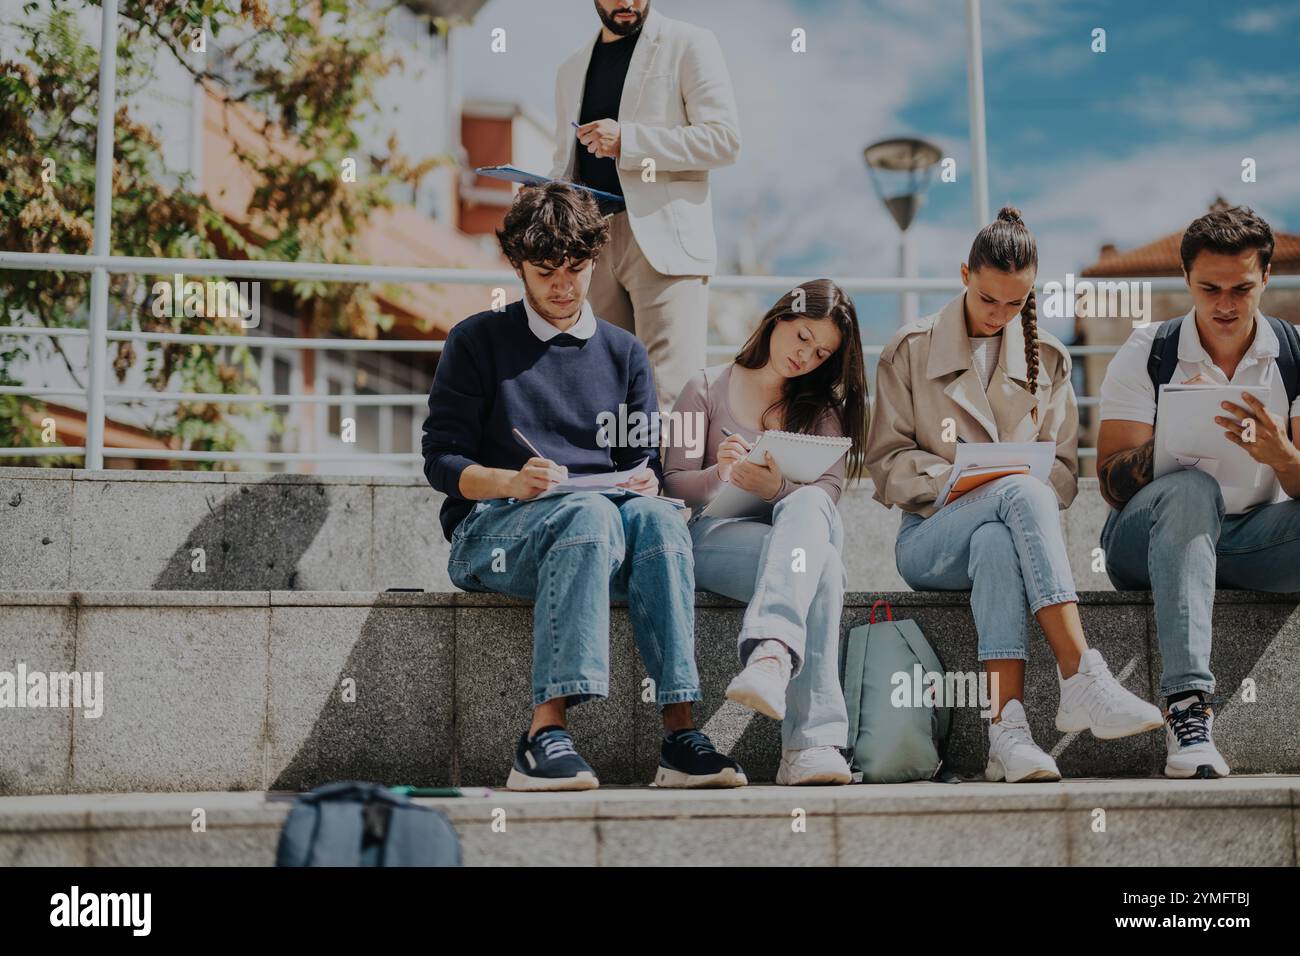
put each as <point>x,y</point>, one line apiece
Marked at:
<point>100,265</point>
<point>97,396</point>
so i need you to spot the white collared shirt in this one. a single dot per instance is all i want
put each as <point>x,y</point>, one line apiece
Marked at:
<point>584,328</point>
<point>1127,392</point>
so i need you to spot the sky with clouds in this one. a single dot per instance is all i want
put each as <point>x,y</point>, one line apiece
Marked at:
<point>1121,146</point>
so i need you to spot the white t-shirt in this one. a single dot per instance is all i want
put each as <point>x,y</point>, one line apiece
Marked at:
<point>984,351</point>
<point>1127,392</point>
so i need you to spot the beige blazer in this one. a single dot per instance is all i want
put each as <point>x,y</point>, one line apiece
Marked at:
<point>926,375</point>
<point>678,109</point>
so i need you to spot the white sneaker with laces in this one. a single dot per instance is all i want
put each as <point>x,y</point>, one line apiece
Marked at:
<point>812,765</point>
<point>1189,741</point>
<point>1013,755</point>
<point>1094,700</point>
<point>761,685</point>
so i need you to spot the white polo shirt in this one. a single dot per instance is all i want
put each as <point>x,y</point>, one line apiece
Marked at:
<point>1127,392</point>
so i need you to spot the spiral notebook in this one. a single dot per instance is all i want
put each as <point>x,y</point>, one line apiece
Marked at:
<point>800,458</point>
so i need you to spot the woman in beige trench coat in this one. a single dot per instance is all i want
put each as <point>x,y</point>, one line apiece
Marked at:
<point>972,373</point>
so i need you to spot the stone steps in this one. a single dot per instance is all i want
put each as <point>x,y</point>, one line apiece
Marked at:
<point>1239,821</point>
<point>243,690</point>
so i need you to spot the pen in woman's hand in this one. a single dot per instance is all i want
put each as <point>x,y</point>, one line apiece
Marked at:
<point>728,433</point>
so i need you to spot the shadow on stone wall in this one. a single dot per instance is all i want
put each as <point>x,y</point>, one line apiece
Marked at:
<point>264,530</point>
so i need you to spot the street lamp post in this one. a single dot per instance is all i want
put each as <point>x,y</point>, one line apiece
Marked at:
<point>900,173</point>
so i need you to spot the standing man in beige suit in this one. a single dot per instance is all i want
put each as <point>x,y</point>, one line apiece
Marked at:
<point>655,112</point>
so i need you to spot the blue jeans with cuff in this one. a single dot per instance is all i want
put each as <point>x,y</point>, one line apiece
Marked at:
<point>571,554</point>
<point>1173,539</point>
<point>790,573</point>
<point>1003,543</point>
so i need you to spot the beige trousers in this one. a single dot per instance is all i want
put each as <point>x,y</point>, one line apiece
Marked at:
<point>669,314</point>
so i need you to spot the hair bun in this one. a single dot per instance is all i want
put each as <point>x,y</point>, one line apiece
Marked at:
<point>1010,214</point>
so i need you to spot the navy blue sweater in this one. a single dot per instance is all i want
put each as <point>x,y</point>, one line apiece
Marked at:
<point>495,374</point>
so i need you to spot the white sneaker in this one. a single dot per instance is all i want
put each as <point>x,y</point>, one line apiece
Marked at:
<point>1094,700</point>
<point>1189,741</point>
<point>1013,755</point>
<point>812,765</point>
<point>761,685</point>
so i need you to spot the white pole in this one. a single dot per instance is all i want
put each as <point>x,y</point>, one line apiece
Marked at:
<point>979,157</point>
<point>96,359</point>
<point>907,302</point>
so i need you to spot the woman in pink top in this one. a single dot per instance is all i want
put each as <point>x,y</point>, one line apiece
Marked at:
<point>801,371</point>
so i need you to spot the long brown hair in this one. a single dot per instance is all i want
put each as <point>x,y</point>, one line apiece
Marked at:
<point>1008,245</point>
<point>838,384</point>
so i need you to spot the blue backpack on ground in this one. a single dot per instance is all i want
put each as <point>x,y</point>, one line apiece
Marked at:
<point>349,823</point>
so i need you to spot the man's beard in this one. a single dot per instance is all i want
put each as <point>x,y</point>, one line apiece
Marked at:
<point>616,27</point>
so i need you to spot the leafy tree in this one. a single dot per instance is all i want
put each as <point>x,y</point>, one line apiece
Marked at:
<point>308,69</point>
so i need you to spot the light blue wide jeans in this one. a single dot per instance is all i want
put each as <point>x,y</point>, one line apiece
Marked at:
<point>1003,543</point>
<point>790,573</point>
<point>570,554</point>
<point>1173,539</point>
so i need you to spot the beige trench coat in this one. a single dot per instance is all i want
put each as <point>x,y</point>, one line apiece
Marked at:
<point>926,380</point>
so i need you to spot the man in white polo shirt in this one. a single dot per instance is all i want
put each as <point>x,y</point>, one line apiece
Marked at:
<point>1183,534</point>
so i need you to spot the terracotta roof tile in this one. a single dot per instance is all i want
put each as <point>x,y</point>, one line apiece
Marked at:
<point>1160,258</point>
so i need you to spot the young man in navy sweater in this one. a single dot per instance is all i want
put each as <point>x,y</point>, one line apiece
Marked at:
<point>543,373</point>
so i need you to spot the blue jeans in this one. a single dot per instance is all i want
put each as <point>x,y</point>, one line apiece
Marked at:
<point>793,598</point>
<point>570,554</point>
<point>1003,543</point>
<point>1174,539</point>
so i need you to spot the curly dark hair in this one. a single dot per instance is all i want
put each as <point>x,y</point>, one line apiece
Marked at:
<point>550,223</point>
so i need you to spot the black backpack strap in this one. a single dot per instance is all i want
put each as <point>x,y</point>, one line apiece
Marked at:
<point>1163,358</point>
<point>1288,356</point>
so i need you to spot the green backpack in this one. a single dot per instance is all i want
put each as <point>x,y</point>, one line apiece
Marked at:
<point>891,744</point>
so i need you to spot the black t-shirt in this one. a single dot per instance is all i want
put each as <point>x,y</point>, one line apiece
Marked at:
<point>600,98</point>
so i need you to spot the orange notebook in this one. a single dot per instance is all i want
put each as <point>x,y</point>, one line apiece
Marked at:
<point>972,478</point>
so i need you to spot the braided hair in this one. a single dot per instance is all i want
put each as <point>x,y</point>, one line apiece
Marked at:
<point>1008,245</point>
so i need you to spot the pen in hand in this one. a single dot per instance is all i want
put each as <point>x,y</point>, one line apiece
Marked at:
<point>519,436</point>
<point>526,443</point>
<point>728,433</point>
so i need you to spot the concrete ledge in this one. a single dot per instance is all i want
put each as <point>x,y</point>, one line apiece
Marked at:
<point>71,529</point>
<point>704,599</point>
<point>1241,821</point>
<point>269,690</point>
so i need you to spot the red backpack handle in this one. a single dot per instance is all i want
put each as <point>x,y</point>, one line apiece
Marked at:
<point>889,611</point>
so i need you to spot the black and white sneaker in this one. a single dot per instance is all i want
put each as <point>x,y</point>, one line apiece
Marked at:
<point>548,761</point>
<point>1189,738</point>
<point>689,759</point>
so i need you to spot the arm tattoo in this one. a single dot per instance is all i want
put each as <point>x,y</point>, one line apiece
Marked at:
<point>1125,473</point>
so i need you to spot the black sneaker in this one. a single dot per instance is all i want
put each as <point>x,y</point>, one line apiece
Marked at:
<point>1189,741</point>
<point>689,759</point>
<point>548,761</point>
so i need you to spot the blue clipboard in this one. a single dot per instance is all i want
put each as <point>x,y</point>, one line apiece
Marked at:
<point>516,175</point>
